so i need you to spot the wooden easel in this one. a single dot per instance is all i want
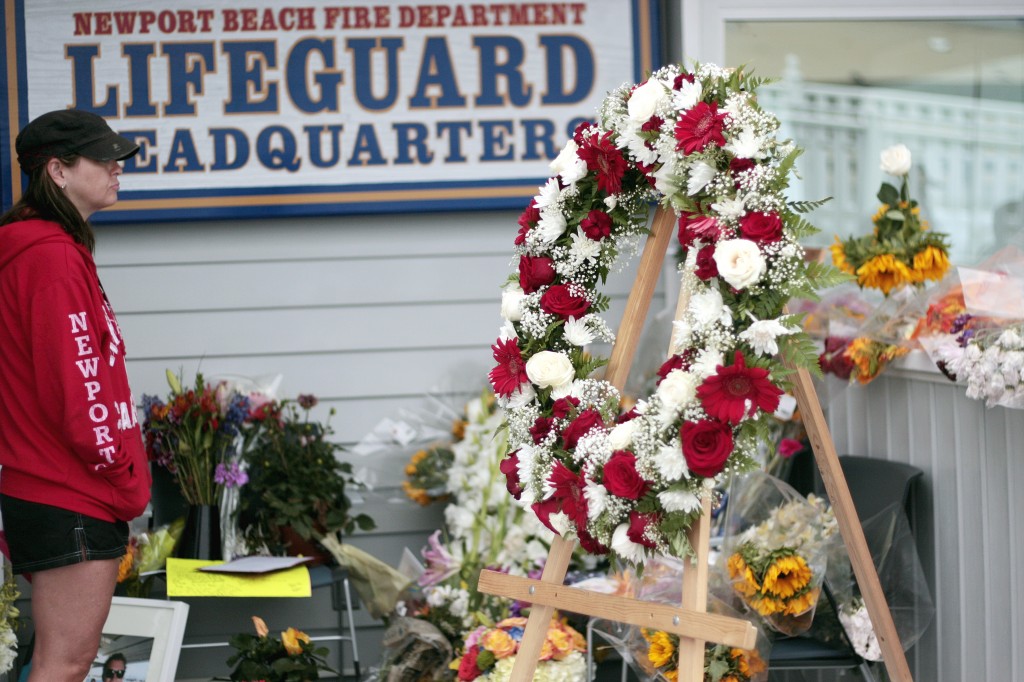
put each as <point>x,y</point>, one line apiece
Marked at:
<point>691,621</point>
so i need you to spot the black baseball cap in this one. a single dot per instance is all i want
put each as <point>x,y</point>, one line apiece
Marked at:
<point>70,131</point>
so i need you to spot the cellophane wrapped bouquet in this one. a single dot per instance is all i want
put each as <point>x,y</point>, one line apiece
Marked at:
<point>775,551</point>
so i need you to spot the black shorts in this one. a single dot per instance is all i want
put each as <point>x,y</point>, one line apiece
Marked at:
<point>40,536</point>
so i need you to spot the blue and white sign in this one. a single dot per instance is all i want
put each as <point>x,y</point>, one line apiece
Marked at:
<point>267,109</point>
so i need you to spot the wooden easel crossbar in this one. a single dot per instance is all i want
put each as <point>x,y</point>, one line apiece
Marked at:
<point>690,620</point>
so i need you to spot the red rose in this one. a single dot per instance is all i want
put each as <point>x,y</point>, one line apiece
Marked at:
<point>535,272</point>
<point>706,265</point>
<point>510,467</point>
<point>675,362</point>
<point>739,165</point>
<point>638,525</point>
<point>584,422</point>
<point>680,79</point>
<point>761,227</point>
<point>563,406</point>
<point>589,543</point>
<point>621,477</point>
<point>597,225</point>
<point>541,428</point>
<point>559,300</point>
<point>527,221</point>
<point>707,444</point>
<point>467,666</point>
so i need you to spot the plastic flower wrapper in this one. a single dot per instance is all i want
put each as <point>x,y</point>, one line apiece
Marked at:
<point>489,653</point>
<point>377,584</point>
<point>413,649</point>
<point>894,553</point>
<point>440,418</point>
<point>775,551</point>
<point>653,654</point>
<point>147,554</point>
<point>983,345</point>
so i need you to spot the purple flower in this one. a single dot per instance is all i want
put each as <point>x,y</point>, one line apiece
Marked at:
<point>230,476</point>
<point>441,565</point>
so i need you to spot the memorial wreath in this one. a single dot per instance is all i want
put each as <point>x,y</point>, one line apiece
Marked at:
<point>696,142</point>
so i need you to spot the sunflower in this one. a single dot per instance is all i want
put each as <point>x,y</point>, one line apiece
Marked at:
<point>767,606</point>
<point>931,263</point>
<point>801,603</point>
<point>839,258</point>
<point>661,650</point>
<point>884,272</point>
<point>748,662</point>
<point>738,568</point>
<point>786,576</point>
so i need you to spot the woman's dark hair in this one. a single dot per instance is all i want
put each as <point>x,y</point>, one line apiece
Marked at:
<point>44,199</point>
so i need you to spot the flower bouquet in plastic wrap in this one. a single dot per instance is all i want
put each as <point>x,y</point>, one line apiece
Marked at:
<point>974,329</point>
<point>654,654</point>
<point>894,553</point>
<point>489,653</point>
<point>775,551</point>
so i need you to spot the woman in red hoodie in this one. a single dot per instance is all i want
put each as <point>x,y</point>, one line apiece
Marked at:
<point>73,469</point>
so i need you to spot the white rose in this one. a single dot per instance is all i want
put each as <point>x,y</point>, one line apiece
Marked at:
<point>645,100</point>
<point>520,397</point>
<point>621,435</point>
<point>677,389</point>
<point>896,160</point>
<point>739,262</point>
<point>511,302</point>
<point>550,369</point>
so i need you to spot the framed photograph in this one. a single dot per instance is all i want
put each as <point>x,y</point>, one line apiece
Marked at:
<point>149,633</point>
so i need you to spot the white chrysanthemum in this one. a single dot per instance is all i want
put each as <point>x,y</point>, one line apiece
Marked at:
<point>584,249</point>
<point>597,499</point>
<point>677,389</point>
<point>565,158</point>
<point>511,302</point>
<point>577,332</point>
<point>761,335</point>
<point>746,144</point>
<point>611,201</point>
<point>459,519</point>
<point>564,390</point>
<point>740,262</point>
<point>730,208</point>
<point>560,522</point>
<point>549,195</point>
<point>671,463</point>
<point>575,172</point>
<point>682,333</point>
<point>679,501</point>
<point>701,174</point>
<point>520,397</point>
<point>707,362</point>
<point>551,225</point>
<point>1011,339</point>
<point>687,95</point>
<point>666,180</point>
<point>626,548</point>
<point>708,307</point>
<point>507,331</point>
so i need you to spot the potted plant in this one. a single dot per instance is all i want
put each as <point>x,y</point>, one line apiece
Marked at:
<point>263,658</point>
<point>297,490</point>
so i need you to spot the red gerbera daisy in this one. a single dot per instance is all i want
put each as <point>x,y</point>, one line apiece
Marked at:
<point>601,156</point>
<point>567,497</point>
<point>733,391</point>
<point>699,127</point>
<point>511,370</point>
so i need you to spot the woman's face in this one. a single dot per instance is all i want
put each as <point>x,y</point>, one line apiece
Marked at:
<point>92,185</point>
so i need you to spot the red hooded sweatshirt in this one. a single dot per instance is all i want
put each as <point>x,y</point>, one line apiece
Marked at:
<point>69,432</point>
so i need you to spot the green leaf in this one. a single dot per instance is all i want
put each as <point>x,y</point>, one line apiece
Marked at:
<point>888,194</point>
<point>808,206</point>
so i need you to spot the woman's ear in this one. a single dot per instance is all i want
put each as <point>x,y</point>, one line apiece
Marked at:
<point>56,171</point>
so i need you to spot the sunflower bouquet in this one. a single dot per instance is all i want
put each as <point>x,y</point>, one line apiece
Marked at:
<point>721,663</point>
<point>775,558</point>
<point>901,249</point>
<point>426,474</point>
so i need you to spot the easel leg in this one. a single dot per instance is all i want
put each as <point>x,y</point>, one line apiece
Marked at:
<point>695,595</point>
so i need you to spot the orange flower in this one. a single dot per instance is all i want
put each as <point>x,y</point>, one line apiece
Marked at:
<point>885,272</point>
<point>124,569</point>
<point>261,628</point>
<point>292,639</point>
<point>499,643</point>
<point>839,258</point>
<point>931,263</point>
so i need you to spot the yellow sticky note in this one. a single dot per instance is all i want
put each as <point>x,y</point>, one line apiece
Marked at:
<point>184,579</point>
